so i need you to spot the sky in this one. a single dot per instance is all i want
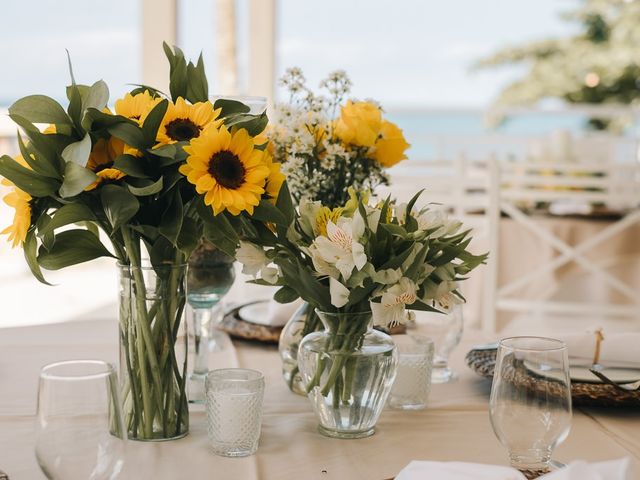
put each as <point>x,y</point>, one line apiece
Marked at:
<point>404,53</point>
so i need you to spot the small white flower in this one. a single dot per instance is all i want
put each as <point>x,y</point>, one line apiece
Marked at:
<point>339,293</point>
<point>254,261</point>
<point>391,310</point>
<point>341,247</point>
<point>430,219</point>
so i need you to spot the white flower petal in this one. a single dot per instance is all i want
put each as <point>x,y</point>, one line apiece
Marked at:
<point>339,293</point>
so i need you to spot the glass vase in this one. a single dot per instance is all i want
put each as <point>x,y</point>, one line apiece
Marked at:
<point>348,370</point>
<point>153,351</point>
<point>303,321</point>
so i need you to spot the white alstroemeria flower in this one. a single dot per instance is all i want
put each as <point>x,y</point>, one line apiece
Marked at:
<point>341,247</point>
<point>430,219</point>
<point>339,293</point>
<point>308,213</point>
<point>401,211</point>
<point>373,217</point>
<point>448,301</point>
<point>388,276</point>
<point>391,310</point>
<point>322,267</point>
<point>254,261</point>
<point>435,291</point>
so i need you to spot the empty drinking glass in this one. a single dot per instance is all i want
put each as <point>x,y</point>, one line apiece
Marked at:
<point>445,329</point>
<point>412,385</point>
<point>234,410</point>
<point>530,404</point>
<point>80,432</point>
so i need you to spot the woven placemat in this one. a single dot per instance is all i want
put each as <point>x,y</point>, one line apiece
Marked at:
<point>483,361</point>
<point>236,327</point>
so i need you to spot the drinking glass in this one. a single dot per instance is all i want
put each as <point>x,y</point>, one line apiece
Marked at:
<point>445,329</point>
<point>80,431</point>
<point>412,385</point>
<point>234,410</point>
<point>530,404</point>
<point>207,284</point>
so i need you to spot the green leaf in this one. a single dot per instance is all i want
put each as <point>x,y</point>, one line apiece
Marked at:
<point>78,152</point>
<point>254,124</point>
<point>76,179</point>
<point>285,204</point>
<point>75,104</point>
<point>66,215</point>
<point>82,90</point>
<point>132,166</point>
<point>165,151</point>
<point>30,254</point>
<point>47,238</point>
<point>190,235</point>
<point>34,184</point>
<point>417,263</point>
<point>130,134</point>
<point>152,122</point>
<point>119,205</point>
<point>150,189</point>
<point>40,109</point>
<point>72,247</point>
<point>177,72</point>
<point>172,217</point>
<point>422,306</point>
<point>95,120</point>
<point>197,86</point>
<point>142,88</point>
<point>230,107</point>
<point>267,212</point>
<point>39,163</point>
<point>96,96</point>
<point>397,260</point>
<point>286,295</point>
<point>217,229</point>
<point>411,204</point>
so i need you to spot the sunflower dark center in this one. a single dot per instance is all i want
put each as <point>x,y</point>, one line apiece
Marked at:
<point>182,129</point>
<point>227,169</point>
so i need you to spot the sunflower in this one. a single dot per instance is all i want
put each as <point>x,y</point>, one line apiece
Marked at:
<point>390,147</point>
<point>100,162</point>
<point>21,202</point>
<point>227,168</point>
<point>275,179</point>
<point>184,122</point>
<point>136,107</point>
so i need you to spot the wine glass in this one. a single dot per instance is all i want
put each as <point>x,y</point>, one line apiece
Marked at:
<point>530,404</point>
<point>445,329</point>
<point>80,431</point>
<point>211,275</point>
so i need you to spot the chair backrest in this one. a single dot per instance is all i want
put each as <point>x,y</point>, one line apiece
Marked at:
<point>520,191</point>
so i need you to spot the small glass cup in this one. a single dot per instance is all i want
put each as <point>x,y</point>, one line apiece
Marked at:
<point>530,405</point>
<point>234,410</point>
<point>445,329</point>
<point>412,385</point>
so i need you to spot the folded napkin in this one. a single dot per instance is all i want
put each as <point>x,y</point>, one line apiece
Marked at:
<point>278,314</point>
<point>420,470</point>
<point>619,350</point>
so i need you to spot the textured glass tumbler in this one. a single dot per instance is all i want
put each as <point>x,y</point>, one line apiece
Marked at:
<point>412,385</point>
<point>446,331</point>
<point>234,410</point>
<point>530,405</point>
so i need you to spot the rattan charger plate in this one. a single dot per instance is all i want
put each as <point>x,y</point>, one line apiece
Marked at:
<point>236,327</point>
<point>483,361</point>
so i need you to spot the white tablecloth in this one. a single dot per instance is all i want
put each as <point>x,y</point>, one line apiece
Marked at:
<point>454,427</point>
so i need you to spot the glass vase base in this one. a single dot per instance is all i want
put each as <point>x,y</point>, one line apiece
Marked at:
<point>345,434</point>
<point>159,438</point>
<point>295,383</point>
<point>443,375</point>
<point>195,388</point>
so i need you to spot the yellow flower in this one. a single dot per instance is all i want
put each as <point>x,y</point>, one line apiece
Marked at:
<point>359,123</point>
<point>21,202</point>
<point>390,147</point>
<point>352,204</point>
<point>51,129</point>
<point>227,168</point>
<point>275,179</point>
<point>103,153</point>
<point>136,107</point>
<point>184,122</point>
<point>324,215</point>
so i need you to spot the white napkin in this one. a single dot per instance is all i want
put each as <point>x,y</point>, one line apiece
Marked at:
<point>278,314</point>
<point>616,350</point>
<point>420,470</point>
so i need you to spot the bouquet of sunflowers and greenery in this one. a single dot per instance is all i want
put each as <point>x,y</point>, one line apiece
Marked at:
<point>385,259</point>
<point>328,145</point>
<point>143,183</point>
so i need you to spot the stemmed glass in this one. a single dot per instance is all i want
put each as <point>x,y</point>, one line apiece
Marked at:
<point>208,281</point>
<point>79,428</point>
<point>445,329</point>
<point>530,404</point>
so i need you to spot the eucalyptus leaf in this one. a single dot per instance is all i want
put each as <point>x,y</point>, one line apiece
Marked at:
<point>132,166</point>
<point>230,107</point>
<point>267,212</point>
<point>96,96</point>
<point>76,179</point>
<point>286,294</point>
<point>78,152</point>
<point>39,164</point>
<point>27,180</point>
<point>152,122</point>
<point>130,134</point>
<point>171,221</point>
<point>30,247</point>
<point>40,109</point>
<point>71,248</point>
<point>150,189</point>
<point>119,204</point>
<point>66,215</point>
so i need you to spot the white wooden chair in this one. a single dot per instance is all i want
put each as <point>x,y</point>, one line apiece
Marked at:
<point>516,186</point>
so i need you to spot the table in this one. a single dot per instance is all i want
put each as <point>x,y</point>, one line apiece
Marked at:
<point>454,427</point>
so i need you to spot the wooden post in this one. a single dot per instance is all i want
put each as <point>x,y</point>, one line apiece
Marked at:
<point>227,71</point>
<point>262,48</point>
<point>159,23</point>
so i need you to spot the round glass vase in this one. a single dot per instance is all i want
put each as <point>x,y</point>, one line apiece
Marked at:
<point>153,351</point>
<point>348,370</point>
<point>303,322</point>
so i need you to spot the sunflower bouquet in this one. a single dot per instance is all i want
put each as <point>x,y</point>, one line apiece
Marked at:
<point>382,258</point>
<point>328,145</point>
<point>142,182</point>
